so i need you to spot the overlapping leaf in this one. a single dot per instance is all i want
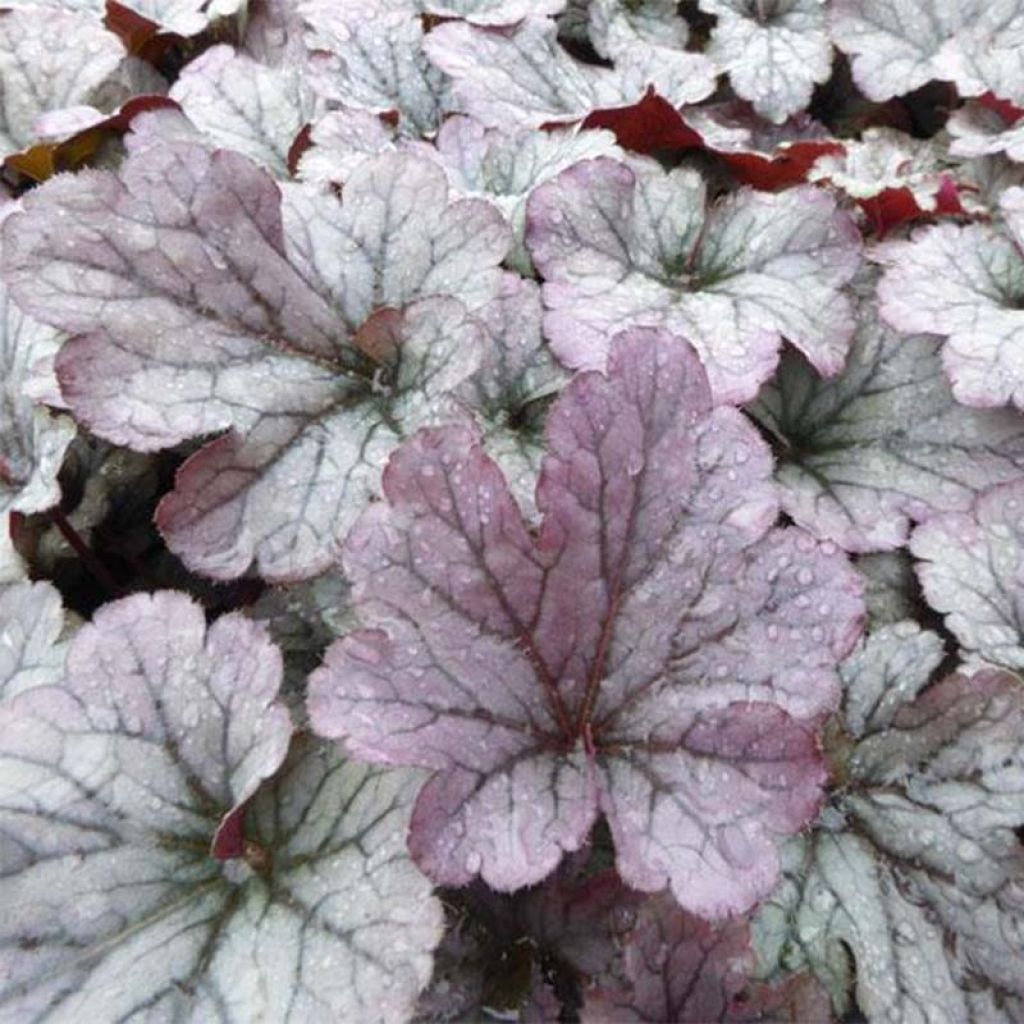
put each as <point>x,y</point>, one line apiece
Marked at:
<point>373,58</point>
<point>205,301</point>
<point>681,969</point>
<point>522,76</point>
<point>31,621</point>
<point>898,47</point>
<point>978,130</point>
<point>882,444</point>
<point>613,26</point>
<point>505,167</point>
<point>965,283</point>
<point>184,17</point>
<point>972,569</point>
<point>32,439</point>
<point>507,955</point>
<point>605,665</point>
<point>246,106</point>
<point>511,390</point>
<point>621,245</point>
<point>38,72</point>
<point>915,867</point>
<point>115,783</point>
<point>892,176</point>
<point>340,140</point>
<point>775,53</point>
<point>491,12</point>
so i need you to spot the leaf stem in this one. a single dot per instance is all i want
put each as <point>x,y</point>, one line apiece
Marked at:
<point>88,558</point>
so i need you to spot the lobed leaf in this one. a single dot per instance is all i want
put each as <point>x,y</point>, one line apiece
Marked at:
<point>915,867</point>
<point>964,283</point>
<point>774,53</point>
<point>523,76</point>
<point>205,301</point>
<point>602,666</point>
<point>118,779</point>
<point>372,58</point>
<point>246,106</point>
<point>31,652</point>
<point>882,444</point>
<point>38,73</point>
<point>970,567</point>
<point>621,244</point>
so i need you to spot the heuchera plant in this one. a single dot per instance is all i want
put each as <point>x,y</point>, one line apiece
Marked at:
<point>512,510</point>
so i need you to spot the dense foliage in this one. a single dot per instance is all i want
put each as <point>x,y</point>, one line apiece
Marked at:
<point>512,509</point>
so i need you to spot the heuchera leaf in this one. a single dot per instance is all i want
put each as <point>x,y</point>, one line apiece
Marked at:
<point>183,17</point>
<point>500,950</point>
<point>774,53</point>
<point>979,130</point>
<point>32,440</point>
<point>884,442</point>
<point>971,568</point>
<point>915,867</point>
<point>205,303</point>
<point>893,177</point>
<point>758,153</point>
<point>965,283</point>
<point>115,783</point>
<point>246,106</point>
<point>522,76</point>
<point>899,46</point>
<point>491,12</point>
<point>38,72</point>
<point>613,26</point>
<point>31,621</point>
<point>509,392</point>
<point>374,59</point>
<point>679,969</point>
<point>603,666</point>
<point>619,245</point>
<point>505,167</point>
<point>339,141</point>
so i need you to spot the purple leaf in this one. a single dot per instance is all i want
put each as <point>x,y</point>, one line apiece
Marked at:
<point>620,245</point>
<point>206,301</point>
<point>603,666</point>
<point>117,780</point>
<point>679,969</point>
